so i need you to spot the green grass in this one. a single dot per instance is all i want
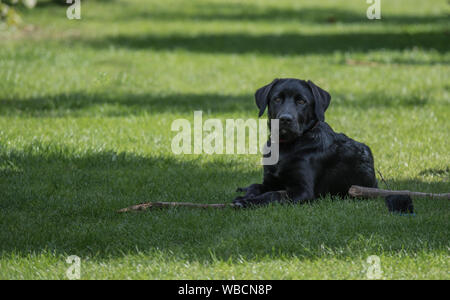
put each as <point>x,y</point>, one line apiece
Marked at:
<point>85,114</point>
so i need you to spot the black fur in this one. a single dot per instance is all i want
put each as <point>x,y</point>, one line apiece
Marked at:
<point>314,160</point>
<point>399,204</point>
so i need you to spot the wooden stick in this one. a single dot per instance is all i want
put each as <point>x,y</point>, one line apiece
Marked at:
<point>359,191</point>
<point>149,205</point>
<point>355,191</point>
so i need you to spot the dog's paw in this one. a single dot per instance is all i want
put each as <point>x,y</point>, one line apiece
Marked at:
<point>238,204</point>
<point>242,202</point>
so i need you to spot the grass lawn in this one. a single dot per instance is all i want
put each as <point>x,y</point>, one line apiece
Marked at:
<point>85,113</point>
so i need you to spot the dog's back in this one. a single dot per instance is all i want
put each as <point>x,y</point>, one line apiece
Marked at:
<point>345,162</point>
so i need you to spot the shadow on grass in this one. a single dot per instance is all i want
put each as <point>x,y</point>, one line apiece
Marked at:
<point>436,172</point>
<point>45,4</point>
<point>79,102</point>
<point>66,203</point>
<point>250,12</point>
<point>119,104</point>
<point>278,44</point>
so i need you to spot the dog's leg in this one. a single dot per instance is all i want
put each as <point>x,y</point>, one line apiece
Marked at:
<point>255,190</point>
<point>300,191</point>
<point>263,199</point>
<point>252,190</point>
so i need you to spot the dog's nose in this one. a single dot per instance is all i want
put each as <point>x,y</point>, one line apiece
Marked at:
<point>286,119</point>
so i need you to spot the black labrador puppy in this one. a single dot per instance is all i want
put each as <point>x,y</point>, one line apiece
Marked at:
<point>314,160</point>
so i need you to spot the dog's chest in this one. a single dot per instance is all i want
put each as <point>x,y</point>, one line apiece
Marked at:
<point>287,162</point>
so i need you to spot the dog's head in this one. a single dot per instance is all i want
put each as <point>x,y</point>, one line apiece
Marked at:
<point>298,104</point>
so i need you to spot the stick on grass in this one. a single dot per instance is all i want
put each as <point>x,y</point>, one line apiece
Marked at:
<point>360,191</point>
<point>355,191</point>
<point>149,205</point>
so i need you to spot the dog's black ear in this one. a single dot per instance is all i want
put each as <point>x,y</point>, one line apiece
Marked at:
<point>262,96</point>
<point>322,99</point>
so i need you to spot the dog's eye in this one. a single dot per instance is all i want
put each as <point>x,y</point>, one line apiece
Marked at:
<point>278,99</point>
<point>301,101</point>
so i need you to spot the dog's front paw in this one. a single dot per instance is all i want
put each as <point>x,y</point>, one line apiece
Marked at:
<point>242,202</point>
